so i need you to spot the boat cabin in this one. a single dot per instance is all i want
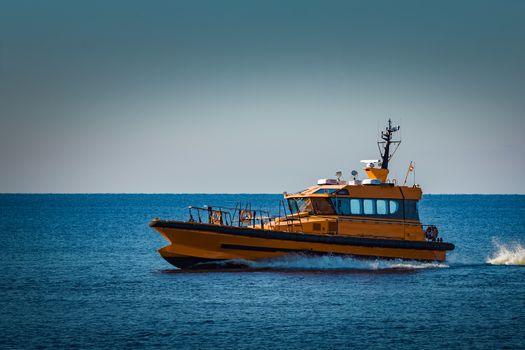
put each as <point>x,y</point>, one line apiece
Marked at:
<point>366,201</point>
<point>361,210</point>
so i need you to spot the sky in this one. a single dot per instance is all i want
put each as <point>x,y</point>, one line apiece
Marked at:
<point>247,96</point>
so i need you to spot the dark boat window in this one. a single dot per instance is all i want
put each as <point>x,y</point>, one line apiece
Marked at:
<point>323,206</point>
<point>300,205</point>
<point>320,206</point>
<point>382,207</point>
<point>341,205</point>
<point>369,207</point>
<point>411,212</point>
<point>394,206</point>
<point>326,190</point>
<point>343,192</point>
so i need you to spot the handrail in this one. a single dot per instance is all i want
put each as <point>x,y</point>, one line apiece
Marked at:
<point>227,216</point>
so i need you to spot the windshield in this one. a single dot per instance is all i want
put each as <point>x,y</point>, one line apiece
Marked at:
<point>300,205</point>
<point>319,206</point>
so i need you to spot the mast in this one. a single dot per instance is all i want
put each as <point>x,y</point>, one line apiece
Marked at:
<point>387,135</point>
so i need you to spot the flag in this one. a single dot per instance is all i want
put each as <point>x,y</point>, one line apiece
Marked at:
<point>411,167</point>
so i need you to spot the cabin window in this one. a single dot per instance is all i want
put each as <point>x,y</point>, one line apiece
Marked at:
<point>389,208</point>
<point>345,206</point>
<point>394,206</point>
<point>382,207</point>
<point>323,206</point>
<point>326,190</point>
<point>355,207</point>
<point>369,207</point>
<point>320,206</point>
<point>300,205</point>
<point>341,205</point>
<point>343,192</point>
<point>411,212</point>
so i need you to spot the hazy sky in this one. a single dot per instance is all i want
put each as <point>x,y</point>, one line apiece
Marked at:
<point>258,96</point>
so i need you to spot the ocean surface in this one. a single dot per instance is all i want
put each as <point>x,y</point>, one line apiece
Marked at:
<point>82,271</point>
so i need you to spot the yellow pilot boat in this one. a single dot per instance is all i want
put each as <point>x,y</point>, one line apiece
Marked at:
<point>373,218</point>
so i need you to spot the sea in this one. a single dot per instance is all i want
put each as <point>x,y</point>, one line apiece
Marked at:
<point>82,271</point>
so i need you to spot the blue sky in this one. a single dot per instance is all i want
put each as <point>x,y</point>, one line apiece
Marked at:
<point>258,96</point>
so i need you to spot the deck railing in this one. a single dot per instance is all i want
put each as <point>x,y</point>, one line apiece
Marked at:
<point>239,216</point>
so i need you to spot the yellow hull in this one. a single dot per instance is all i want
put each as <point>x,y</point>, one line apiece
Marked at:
<point>194,243</point>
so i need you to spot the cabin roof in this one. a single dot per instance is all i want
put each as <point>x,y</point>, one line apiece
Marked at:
<point>314,189</point>
<point>361,191</point>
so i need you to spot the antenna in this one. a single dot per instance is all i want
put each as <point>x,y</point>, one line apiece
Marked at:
<point>384,146</point>
<point>339,176</point>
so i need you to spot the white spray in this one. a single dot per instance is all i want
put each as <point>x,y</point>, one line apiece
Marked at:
<point>507,255</point>
<point>329,262</point>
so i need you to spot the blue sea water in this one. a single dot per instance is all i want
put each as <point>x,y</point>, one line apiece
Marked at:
<point>82,271</point>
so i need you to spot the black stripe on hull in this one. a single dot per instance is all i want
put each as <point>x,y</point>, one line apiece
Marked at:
<point>268,249</point>
<point>302,237</point>
<point>194,263</point>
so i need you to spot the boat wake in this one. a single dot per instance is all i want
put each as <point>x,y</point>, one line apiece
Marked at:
<point>308,263</point>
<point>512,254</point>
<point>330,262</point>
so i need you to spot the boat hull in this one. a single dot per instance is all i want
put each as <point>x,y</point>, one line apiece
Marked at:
<point>196,244</point>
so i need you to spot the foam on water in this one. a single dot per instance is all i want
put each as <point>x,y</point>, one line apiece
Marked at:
<point>330,262</point>
<point>507,254</point>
